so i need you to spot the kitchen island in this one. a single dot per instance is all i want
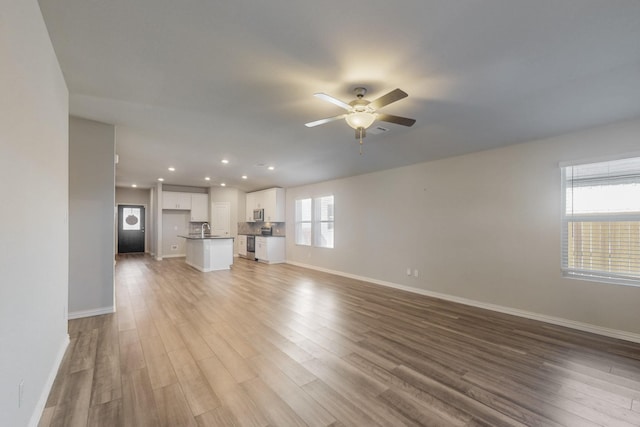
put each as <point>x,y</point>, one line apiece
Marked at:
<point>209,253</point>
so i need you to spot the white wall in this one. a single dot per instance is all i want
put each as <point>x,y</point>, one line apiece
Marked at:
<point>33,221</point>
<point>483,227</point>
<point>91,217</point>
<point>137,196</point>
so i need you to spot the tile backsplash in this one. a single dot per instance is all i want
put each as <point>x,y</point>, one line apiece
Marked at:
<point>254,227</point>
<point>196,227</point>
<point>246,227</point>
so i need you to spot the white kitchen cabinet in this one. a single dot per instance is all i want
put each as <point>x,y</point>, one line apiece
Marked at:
<point>273,204</point>
<point>271,200</point>
<point>251,197</point>
<point>258,200</point>
<point>199,207</point>
<point>242,245</point>
<point>270,249</point>
<point>261,249</point>
<point>175,200</point>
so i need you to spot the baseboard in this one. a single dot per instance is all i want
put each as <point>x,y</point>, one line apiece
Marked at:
<point>88,313</point>
<point>42,401</point>
<point>585,327</point>
<point>174,256</point>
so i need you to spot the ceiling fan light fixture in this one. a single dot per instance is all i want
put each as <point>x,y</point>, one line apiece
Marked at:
<point>360,119</point>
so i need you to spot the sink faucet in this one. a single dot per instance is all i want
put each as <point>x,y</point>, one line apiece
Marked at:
<point>202,228</point>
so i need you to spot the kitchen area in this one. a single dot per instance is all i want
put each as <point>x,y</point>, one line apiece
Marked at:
<point>261,237</point>
<point>198,224</point>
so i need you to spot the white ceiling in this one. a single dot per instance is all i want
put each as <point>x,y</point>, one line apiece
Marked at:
<point>188,83</point>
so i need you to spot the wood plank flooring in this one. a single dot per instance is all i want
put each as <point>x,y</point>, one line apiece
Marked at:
<point>278,345</point>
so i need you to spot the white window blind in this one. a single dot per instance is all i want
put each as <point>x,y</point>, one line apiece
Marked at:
<point>601,221</point>
<point>323,223</point>
<point>315,222</point>
<point>303,222</point>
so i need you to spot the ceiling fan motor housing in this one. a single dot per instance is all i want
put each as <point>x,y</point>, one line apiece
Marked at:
<point>360,92</point>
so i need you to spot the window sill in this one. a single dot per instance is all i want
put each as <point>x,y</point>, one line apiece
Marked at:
<point>601,279</point>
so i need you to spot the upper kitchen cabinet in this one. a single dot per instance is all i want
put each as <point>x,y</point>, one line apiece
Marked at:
<point>175,200</point>
<point>251,205</point>
<point>196,203</point>
<point>271,200</point>
<point>273,204</point>
<point>199,207</point>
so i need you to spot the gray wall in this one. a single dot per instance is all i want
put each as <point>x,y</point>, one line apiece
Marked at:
<point>33,222</point>
<point>91,217</point>
<point>137,196</point>
<point>156,198</point>
<point>484,227</point>
<point>152,230</point>
<point>174,224</point>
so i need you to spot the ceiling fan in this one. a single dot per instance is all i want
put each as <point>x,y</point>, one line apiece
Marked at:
<point>361,113</point>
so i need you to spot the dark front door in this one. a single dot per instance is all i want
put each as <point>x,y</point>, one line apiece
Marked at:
<point>130,228</point>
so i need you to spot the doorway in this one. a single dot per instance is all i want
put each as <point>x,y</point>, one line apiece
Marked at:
<point>130,228</point>
<point>221,219</point>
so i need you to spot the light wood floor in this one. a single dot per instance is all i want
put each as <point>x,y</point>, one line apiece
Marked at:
<point>280,345</point>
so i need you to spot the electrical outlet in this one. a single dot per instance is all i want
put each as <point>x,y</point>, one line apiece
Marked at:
<point>20,393</point>
<point>174,247</point>
<point>415,272</point>
<point>408,271</point>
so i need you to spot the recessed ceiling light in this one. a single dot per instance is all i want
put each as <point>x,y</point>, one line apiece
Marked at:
<point>160,179</point>
<point>206,178</point>
<point>225,161</point>
<point>222,184</point>
<point>172,168</point>
<point>134,185</point>
<point>244,176</point>
<point>271,168</point>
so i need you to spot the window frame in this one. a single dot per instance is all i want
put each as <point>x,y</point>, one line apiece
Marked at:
<point>299,222</point>
<point>316,222</point>
<point>601,276</point>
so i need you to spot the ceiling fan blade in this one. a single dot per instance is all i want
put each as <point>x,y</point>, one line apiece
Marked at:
<point>387,99</point>
<point>404,121</point>
<point>323,121</point>
<point>333,100</point>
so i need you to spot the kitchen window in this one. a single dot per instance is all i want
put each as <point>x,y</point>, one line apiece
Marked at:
<point>315,222</point>
<point>601,221</point>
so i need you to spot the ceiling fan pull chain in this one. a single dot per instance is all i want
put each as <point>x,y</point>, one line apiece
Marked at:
<point>361,130</point>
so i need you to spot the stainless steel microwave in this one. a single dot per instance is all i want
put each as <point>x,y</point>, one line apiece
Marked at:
<point>258,214</point>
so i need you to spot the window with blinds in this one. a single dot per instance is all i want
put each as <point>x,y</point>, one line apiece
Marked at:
<point>601,221</point>
<point>303,222</point>
<point>324,222</point>
<point>314,222</point>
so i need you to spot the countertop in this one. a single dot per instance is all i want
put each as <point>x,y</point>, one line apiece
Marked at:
<point>260,235</point>
<point>206,237</point>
